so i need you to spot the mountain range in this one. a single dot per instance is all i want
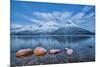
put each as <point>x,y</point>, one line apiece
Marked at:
<point>50,29</point>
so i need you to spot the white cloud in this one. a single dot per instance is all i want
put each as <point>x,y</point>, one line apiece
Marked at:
<point>82,16</point>
<point>35,21</point>
<point>43,16</point>
<point>87,8</point>
<point>14,26</point>
<point>77,16</point>
<point>61,18</point>
<point>90,15</point>
<point>56,16</point>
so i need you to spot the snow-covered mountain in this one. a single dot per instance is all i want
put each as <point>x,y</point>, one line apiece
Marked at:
<point>50,28</point>
<point>35,29</point>
<point>71,30</point>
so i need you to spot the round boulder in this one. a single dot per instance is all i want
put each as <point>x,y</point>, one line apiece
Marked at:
<point>39,51</point>
<point>24,52</point>
<point>69,51</point>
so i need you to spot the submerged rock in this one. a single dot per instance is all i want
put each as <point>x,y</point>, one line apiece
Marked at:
<point>90,46</point>
<point>69,51</point>
<point>24,52</point>
<point>39,51</point>
<point>54,51</point>
<point>30,63</point>
<point>66,49</point>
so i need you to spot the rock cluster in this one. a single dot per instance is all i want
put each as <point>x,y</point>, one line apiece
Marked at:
<point>40,51</point>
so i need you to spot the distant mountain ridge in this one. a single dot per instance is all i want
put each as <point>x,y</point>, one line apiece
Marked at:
<point>72,31</point>
<point>50,29</point>
<point>60,31</point>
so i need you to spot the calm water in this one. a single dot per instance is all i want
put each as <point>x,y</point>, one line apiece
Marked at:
<point>80,45</point>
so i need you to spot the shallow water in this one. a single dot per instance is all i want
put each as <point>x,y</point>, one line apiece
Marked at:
<point>80,45</point>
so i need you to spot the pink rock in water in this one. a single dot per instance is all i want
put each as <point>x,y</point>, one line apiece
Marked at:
<point>24,52</point>
<point>54,51</point>
<point>69,51</point>
<point>39,51</point>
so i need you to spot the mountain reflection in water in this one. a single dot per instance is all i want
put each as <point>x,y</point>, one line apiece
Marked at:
<point>82,53</point>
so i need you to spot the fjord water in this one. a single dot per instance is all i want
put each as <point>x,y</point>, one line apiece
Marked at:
<point>80,44</point>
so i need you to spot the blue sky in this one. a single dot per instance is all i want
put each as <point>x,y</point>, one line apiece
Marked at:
<point>26,13</point>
